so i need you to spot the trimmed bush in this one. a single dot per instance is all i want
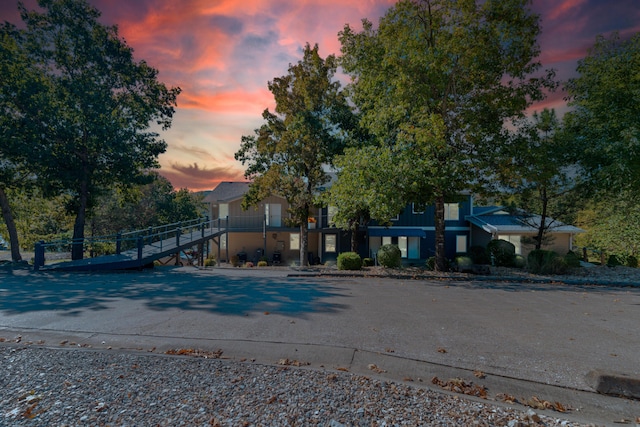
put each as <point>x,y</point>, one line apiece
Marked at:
<point>209,262</point>
<point>248,264</point>
<point>479,255</point>
<point>368,262</point>
<point>390,256</point>
<point>503,252</point>
<point>572,260</point>
<point>349,261</point>
<point>519,261</point>
<point>613,261</point>
<point>431,263</point>
<point>632,261</point>
<point>462,264</point>
<point>541,261</point>
<point>262,263</point>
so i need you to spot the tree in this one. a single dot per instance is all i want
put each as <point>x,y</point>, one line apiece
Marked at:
<point>147,205</point>
<point>102,104</point>
<point>606,113</point>
<point>23,106</point>
<point>288,153</point>
<point>612,224</point>
<point>540,173</point>
<point>436,82</point>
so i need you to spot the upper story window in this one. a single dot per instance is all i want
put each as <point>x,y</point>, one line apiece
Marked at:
<point>416,209</point>
<point>451,211</point>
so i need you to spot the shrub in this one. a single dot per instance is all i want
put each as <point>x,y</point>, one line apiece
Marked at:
<point>431,263</point>
<point>462,264</point>
<point>390,256</point>
<point>262,263</point>
<point>613,261</point>
<point>541,261</point>
<point>632,261</point>
<point>479,255</point>
<point>209,262</point>
<point>572,260</point>
<point>519,261</point>
<point>235,260</point>
<point>502,252</point>
<point>349,261</point>
<point>248,264</point>
<point>368,262</point>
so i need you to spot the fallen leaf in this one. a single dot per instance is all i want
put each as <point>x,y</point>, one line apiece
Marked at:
<point>441,350</point>
<point>507,398</point>
<point>342,369</point>
<point>375,369</point>
<point>479,374</point>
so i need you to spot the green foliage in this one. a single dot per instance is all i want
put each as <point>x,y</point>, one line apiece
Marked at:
<point>287,154</point>
<point>463,264</point>
<point>92,120</point>
<point>540,261</point>
<point>501,252</point>
<point>519,261</point>
<point>605,116</point>
<point>540,174</point>
<point>262,263</point>
<point>349,261</point>
<point>632,261</point>
<point>572,260</point>
<point>431,263</point>
<point>368,262</point>
<point>612,224</point>
<point>613,261</point>
<point>210,261</point>
<point>479,255</point>
<point>436,83</point>
<point>389,256</point>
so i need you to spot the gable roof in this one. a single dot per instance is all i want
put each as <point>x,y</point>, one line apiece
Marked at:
<point>497,220</point>
<point>227,191</point>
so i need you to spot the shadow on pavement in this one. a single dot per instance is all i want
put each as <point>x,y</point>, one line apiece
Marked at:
<point>163,289</point>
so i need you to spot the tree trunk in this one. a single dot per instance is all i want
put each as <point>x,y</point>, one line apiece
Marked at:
<point>77,247</point>
<point>304,243</point>
<point>11,226</point>
<point>354,237</point>
<point>441,261</point>
<point>543,218</point>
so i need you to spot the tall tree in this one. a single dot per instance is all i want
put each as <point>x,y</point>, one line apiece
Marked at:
<point>288,153</point>
<point>541,173</point>
<point>606,115</point>
<point>98,134</point>
<point>437,81</point>
<point>23,106</point>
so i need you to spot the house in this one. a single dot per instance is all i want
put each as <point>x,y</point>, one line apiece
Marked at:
<point>261,231</point>
<point>495,222</point>
<point>264,231</point>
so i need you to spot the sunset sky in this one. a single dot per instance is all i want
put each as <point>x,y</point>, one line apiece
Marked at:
<point>222,53</point>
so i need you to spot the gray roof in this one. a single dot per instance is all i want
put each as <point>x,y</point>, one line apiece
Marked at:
<point>502,222</point>
<point>227,191</point>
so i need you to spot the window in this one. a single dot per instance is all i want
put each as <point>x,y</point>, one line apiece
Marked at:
<point>451,211</point>
<point>386,240</point>
<point>515,240</point>
<point>273,214</point>
<point>294,241</point>
<point>331,212</point>
<point>409,247</point>
<point>417,209</point>
<point>402,244</point>
<point>461,244</point>
<point>330,243</point>
<point>223,210</point>
<point>223,241</point>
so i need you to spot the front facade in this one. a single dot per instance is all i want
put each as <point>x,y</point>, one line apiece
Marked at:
<point>263,232</point>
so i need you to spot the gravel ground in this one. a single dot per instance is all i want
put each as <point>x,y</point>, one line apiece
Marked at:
<point>62,387</point>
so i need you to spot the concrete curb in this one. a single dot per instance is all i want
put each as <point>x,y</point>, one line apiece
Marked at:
<point>614,384</point>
